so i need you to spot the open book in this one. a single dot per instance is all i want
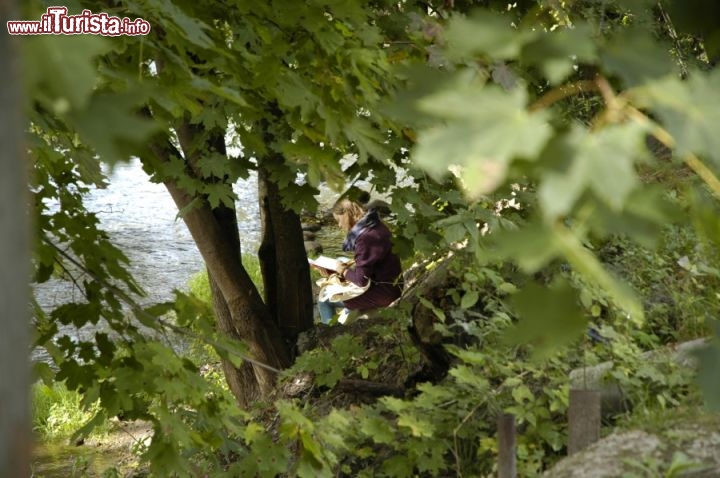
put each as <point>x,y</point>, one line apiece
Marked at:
<point>324,262</point>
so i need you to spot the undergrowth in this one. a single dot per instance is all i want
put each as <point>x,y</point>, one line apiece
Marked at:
<point>58,412</point>
<point>448,428</point>
<point>678,282</point>
<point>445,428</point>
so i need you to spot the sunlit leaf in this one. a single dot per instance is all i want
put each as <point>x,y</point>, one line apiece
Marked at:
<point>602,161</point>
<point>485,129</point>
<point>419,427</point>
<point>689,110</point>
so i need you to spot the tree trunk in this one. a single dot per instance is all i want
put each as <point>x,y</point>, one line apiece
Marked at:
<point>196,141</point>
<point>15,271</point>
<point>283,260</point>
<point>242,381</point>
<point>249,316</point>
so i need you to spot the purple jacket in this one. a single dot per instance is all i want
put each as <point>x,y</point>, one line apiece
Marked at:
<point>375,260</point>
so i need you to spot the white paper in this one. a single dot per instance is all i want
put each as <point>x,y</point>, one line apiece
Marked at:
<point>325,263</point>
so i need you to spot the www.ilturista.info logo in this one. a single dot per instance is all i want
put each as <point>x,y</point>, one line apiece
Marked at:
<point>57,22</point>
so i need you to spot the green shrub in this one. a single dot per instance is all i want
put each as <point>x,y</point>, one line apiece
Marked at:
<point>676,281</point>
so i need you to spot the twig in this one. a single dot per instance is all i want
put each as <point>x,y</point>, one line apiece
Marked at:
<point>138,310</point>
<point>673,34</point>
<point>562,92</point>
<point>690,159</point>
<point>704,172</point>
<point>614,103</point>
<point>456,452</point>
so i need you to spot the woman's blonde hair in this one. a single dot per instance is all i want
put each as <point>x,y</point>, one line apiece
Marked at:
<point>347,213</point>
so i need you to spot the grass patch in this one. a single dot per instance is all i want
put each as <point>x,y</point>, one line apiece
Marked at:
<point>658,420</point>
<point>200,284</point>
<point>58,412</point>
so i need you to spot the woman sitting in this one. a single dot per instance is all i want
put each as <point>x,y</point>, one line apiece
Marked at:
<point>373,260</point>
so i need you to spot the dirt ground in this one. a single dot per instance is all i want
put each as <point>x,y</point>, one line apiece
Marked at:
<point>94,456</point>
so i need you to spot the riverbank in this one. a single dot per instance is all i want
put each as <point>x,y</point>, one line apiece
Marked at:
<point>117,449</point>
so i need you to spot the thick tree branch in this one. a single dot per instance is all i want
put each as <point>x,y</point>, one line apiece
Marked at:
<point>368,387</point>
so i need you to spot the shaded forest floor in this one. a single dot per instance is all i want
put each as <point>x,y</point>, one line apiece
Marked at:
<point>120,446</point>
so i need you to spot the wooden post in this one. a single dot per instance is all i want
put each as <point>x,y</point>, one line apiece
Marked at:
<point>583,419</point>
<point>506,446</point>
<point>15,259</point>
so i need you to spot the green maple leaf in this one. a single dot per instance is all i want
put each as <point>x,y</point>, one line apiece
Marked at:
<point>219,193</point>
<point>187,27</point>
<point>223,92</point>
<point>294,93</point>
<point>556,52</point>
<point>74,374</point>
<point>689,110</point>
<point>602,161</point>
<point>378,428</point>
<point>646,59</point>
<point>62,67</point>
<point>327,36</point>
<point>369,140</point>
<point>419,427</point>
<point>488,33</point>
<point>121,130</point>
<point>213,164</point>
<point>532,247</point>
<point>485,129</point>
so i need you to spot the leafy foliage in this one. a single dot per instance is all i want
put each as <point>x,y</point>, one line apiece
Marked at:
<point>526,139</point>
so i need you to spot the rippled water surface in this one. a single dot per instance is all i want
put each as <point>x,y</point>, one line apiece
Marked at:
<point>140,218</point>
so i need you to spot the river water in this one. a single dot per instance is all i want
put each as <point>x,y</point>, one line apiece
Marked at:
<point>141,219</point>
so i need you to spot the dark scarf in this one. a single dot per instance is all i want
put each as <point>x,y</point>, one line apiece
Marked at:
<point>368,221</point>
